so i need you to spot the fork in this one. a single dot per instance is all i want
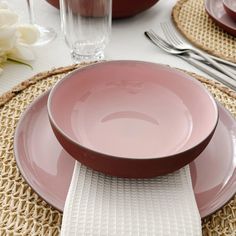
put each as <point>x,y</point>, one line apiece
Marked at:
<point>167,27</point>
<point>177,42</point>
<point>161,43</point>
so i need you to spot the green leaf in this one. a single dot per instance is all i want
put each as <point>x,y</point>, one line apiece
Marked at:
<point>20,62</point>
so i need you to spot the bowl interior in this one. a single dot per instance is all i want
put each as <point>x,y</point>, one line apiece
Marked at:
<point>132,109</point>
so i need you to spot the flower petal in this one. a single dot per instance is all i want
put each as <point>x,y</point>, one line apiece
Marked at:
<point>3,58</point>
<point>21,52</point>
<point>7,38</point>
<point>7,17</point>
<point>3,5</point>
<point>28,34</point>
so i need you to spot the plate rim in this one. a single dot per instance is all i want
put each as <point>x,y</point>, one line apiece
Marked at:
<point>17,156</point>
<point>231,179</point>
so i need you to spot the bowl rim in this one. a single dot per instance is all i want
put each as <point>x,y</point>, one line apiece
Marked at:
<point>176,154</point>
<point>228,6</point>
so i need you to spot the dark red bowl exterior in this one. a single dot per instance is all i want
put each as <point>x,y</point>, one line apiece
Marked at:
<point>122,8</point>
<point>121,165</point>
<point>229,11</point>
<point>129,168</point>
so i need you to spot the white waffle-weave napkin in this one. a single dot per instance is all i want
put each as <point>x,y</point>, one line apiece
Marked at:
<point>97,204</point>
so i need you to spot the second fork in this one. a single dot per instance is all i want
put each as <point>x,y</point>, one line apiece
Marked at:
<point>177,42</point>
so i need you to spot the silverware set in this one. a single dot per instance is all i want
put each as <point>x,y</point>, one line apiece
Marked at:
<point>222,70</point>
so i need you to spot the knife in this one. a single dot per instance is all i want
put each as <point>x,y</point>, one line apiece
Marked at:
<point>227,81</point>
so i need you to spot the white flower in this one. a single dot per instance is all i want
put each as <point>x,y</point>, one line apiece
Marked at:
<point>15,39</point>
<point>3,5</point>
<point>3,58</point>
<point>7,17</point>
<point>21,52</point>
<point>8,38</point>
<point>28,34</point>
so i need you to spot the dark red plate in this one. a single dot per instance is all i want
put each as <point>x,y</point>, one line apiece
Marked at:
<point>216,11</point>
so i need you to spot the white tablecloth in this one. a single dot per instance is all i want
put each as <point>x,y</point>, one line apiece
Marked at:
<point>127,42</point>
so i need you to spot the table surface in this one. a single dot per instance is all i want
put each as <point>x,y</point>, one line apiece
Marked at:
<point>127,41</point>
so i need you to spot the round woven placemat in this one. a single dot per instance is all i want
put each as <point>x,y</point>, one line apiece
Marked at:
<point>194,23</point>
<point>22,211</point>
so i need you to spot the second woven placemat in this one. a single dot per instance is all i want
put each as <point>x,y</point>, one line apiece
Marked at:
<point>194,23</point>
<point>22,211</point>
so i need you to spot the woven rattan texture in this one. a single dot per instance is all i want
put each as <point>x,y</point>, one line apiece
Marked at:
<point>194,23</point>
<point>22,211</point>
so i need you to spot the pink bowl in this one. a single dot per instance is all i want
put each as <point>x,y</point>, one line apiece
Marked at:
<point>132,119</point>
<point>230,8</point>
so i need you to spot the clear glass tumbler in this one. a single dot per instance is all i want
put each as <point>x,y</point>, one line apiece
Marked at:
<point>46,34</point>
<point>86,25</point>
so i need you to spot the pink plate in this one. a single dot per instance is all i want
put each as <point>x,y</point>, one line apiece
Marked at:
<point>131,118</point>
<point>216,11</point>
<point>48,168</point>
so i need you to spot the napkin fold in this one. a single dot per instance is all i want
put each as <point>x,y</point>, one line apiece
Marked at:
<point>98,204</point>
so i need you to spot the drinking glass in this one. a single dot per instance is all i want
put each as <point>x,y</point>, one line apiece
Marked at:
<point>46,34</point>
<point>86,25</point>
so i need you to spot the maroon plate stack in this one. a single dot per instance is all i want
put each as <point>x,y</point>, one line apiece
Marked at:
<point>216,10</point>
